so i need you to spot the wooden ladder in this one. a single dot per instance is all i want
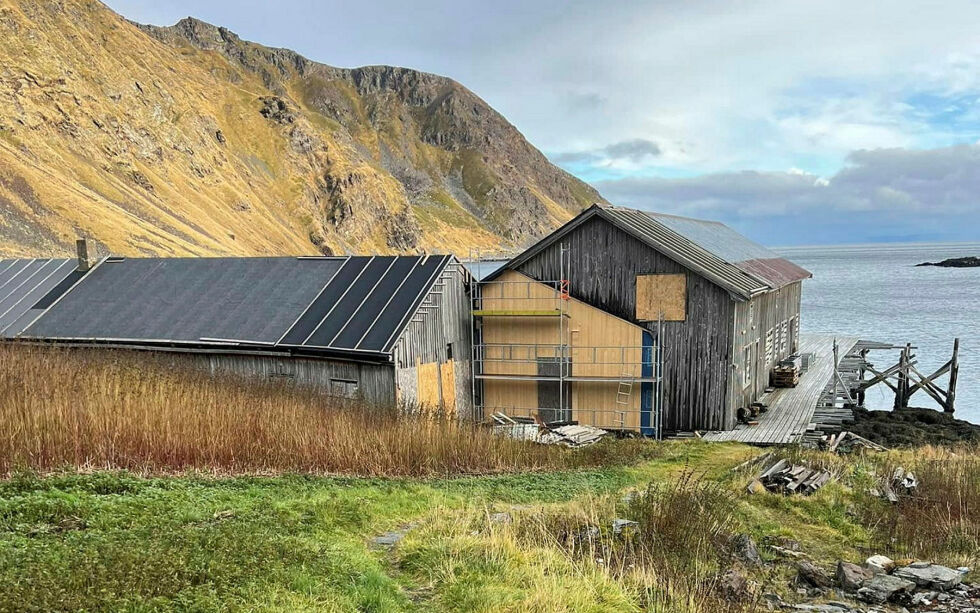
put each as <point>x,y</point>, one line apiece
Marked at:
<point>625,390</point>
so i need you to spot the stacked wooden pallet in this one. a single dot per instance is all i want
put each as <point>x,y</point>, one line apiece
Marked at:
<point>785,376</point>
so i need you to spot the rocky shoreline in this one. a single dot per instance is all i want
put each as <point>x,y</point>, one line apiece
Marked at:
<point>879,585</point>
<point>965,262</point>
<point>912,427</point>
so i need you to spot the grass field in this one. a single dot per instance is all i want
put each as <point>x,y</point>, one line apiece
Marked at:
<point>190,530</point>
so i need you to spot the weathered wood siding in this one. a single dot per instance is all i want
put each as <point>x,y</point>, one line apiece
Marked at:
<point>768,328</point>
<point>427,340</point>
<point>603,263</point>
<point>375,382</point>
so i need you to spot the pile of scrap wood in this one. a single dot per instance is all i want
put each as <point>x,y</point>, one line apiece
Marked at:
<point>570,434</point>
<point>786,478</point>
<point>846,442</point>
<point>902,482</point>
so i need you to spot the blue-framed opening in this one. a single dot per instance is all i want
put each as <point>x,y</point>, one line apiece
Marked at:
<point>646,388</point>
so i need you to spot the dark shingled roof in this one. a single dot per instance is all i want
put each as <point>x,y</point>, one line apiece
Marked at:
<point>357,304</point>
<point>709,248</point>
<point>29,286</point>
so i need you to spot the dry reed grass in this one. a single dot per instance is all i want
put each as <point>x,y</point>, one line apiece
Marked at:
<point>941,520</point>
<point>674,556</point>
<point>120,410</point>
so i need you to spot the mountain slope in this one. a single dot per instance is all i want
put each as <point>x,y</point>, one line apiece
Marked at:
<point>188,140</point>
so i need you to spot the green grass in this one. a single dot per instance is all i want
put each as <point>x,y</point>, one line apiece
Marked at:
<point>112,540</point>
<point>117,541</point>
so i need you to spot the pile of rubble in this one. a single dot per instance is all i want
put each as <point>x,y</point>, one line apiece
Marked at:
<point>920,586</point>
<point>785,478</point>
<point>569,434</point>
<point>902,483</point>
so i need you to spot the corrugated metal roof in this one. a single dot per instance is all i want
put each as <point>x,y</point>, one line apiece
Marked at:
<point>333,304</point>
<point>735,248</point>
<point>711,249</point>
<point>28,286</point>
<point>685,251</point>
<point>484,268</point>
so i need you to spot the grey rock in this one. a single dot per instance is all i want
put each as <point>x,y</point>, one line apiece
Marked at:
<point>851,577</point>
<point>811,574</point>
<point>745,550</point>
<point>388,539</point>
<point>879,564</point>
<point>929,575</point>
<point>501,518</point>
<point>734,586</point>
<point>621,526</point>
<point>881,588</point>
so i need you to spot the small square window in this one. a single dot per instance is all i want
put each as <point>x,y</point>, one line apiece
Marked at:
<point>343,388</point>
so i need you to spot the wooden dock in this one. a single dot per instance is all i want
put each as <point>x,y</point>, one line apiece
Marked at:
<point>791,410</point>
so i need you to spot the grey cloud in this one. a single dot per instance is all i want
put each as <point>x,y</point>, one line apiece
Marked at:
<point>929,194</point>
<point>633,150</point>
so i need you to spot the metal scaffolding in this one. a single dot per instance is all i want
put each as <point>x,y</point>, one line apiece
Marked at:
<point>544,305</point>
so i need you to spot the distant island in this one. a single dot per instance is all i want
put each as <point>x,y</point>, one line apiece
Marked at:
<point>967,262</point>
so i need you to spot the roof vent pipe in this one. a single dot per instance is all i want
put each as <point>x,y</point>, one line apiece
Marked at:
<point>85,249</point>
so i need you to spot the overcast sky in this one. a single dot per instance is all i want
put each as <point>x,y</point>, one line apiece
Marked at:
<point>796,122</point>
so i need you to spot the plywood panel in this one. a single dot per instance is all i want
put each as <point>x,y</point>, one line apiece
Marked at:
<point>429,382</point>
<point>656,294</point>
<point>448,375</point>
<point>600,345</point>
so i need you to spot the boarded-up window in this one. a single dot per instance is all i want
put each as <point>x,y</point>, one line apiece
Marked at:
<point>661,294</point>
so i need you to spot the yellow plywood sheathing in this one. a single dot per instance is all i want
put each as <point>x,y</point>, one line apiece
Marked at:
<point>599,345</point>
<point>449,388</point>
<point>429,382</point>
<point>656,294</point>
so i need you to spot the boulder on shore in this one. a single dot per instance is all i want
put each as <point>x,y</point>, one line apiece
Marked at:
<point>882,588</point>
<point>932,576</point>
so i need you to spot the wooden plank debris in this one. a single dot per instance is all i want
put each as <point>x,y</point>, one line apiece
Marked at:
<point>901,483</point>
<point>570,434</point>
<point>785,478</point>
<point>848,442</point>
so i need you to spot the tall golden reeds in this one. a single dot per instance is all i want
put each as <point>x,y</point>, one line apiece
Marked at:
<point>101,409</point>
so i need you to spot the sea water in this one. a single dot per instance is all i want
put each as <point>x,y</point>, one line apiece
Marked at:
<point>876,293</point>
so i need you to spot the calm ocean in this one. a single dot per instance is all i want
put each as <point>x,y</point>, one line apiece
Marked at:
<point>877,293</point>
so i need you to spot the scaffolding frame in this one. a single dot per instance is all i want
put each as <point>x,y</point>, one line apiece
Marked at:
<point>566,355</point>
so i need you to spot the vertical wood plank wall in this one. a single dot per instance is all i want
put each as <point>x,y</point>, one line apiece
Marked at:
<point>375,382</point>
<point>603,264</point>
<point>426,341</point>
<point>753,322</point>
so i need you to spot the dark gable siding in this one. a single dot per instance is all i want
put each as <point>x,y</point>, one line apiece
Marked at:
<point>603,264</point>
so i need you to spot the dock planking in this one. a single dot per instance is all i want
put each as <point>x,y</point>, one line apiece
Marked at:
<point>791,410</point>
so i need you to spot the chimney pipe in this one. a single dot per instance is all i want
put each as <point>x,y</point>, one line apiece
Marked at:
<point>85,249</point>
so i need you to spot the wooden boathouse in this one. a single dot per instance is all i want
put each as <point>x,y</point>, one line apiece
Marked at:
<point>385,329</point>
<point>704,315</point>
